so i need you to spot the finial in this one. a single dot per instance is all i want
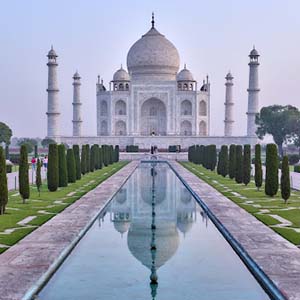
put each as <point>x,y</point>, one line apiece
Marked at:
<point>152,22</point>
<point>184,65</point>
<point>253,47</point>
<point>98,79</point>
<point>121,67</point>
<point>51,47</point>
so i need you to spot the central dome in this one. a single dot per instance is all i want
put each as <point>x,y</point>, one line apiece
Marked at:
<point>153,57</point>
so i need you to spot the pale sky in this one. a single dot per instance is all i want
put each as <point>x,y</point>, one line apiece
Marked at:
<point>94,36</point>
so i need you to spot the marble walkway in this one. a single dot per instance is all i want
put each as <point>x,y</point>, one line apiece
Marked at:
<point>278,258</point>
<point>22,265</point>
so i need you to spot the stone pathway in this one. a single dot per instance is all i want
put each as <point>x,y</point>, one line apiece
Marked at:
<point>278,258</point>
<point>22,265</point>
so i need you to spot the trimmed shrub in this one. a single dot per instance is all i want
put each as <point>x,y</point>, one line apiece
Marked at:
<point>132,148</point>
<point>36,152</point>
<point>105,155</point>
<point>87,158</point>
<point>38,176</point>
<point>96,156</point>
<point>3,183</point>
<point>83,159</point>
<point>117,153</point>
<point>23,174</point>
<point>77,161</point>
<point>293,159</point>
<point>222,168</point>
<point>111,154</point>
<point>8,168</point>
<point>100,157</point>
<point>62,166</point>
<point>71,166</point>
<point>297,169</point>
<point>92,158</point>
<point>232,161</point>
<point>239,164</point>
<point>247,164</point>
<point>52,170</point>
<point>285,185</point>
<point>271,182</point>
<point>258,168</point>
<point>7,151</point>
<point>201,154</point>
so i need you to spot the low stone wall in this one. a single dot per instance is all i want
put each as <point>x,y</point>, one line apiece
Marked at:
<point>182,156</point>
<point>162,142</point>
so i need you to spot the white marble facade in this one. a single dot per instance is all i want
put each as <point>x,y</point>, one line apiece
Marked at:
<point>153,98</point>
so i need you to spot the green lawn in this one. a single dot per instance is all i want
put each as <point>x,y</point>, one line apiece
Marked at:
<point>47,205</point>
<point>256,202</point>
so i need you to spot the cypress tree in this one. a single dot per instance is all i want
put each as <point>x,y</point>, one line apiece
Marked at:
<point>222,168</point>
<point>23,174</point>
<point>232,160</point>
<point>197,154</point>
<point>111,154</point>
<point>205,157</point>
<point>247,164</point>
<point>201,154</point>
<point>117,153</point>
<point>77,161</point>
<point>71,166</point>
<point>258,168</point>
<point>62,166</point>
<point>38,176</point>
<point>36,154</point>
<point>212,157</point>
<point>239,164</point>
<point>83,159</point>
<point>92,158</point>
<point>105,155</point>
<point>87,158</point>
<point>52,170</point>
<point>189,153</point>
<point>7,151</point>
<point>100,157</point>
<point>285,184</point>
<point>271,182</point>
<point>3,182</point>
<point>96,156</point>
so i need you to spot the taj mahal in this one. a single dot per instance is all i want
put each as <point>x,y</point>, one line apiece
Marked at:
<point>153,103</point>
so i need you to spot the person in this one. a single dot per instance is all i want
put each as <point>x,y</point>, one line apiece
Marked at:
<point>45,162</point>
<point>33,163</point>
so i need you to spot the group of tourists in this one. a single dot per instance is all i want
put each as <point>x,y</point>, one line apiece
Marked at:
<point>44,162</point>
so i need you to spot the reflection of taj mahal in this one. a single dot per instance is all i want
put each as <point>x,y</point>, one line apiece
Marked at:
<point>154,102</point>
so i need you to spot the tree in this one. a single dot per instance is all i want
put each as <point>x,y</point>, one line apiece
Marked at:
<point>279,121</point>
<point>117,153</point>
<point>271,182</point>
<point>71,168</point>
<point>87,158</point>
<point>52,170</point>
<point>232,160</point>
<point>247,164</point>
<point>38,176</point>
<point>3,182</point>
<point>105,155</point>
<point>62,166</point>
<point>92,159</point>
<point>46,142</point>
<point>5,134</point>
<point>222,168</point>
<point>29,143</point>
<point>239,164</point>
<point>83,159</point>
<point>285,185</point>
<point>100,157</point>
<point>23,174</point>
<point>212,157</point>
<point>7,151</point>
<point>36,151</point>
<point>96,154</point>
<point>77,161</point>
<point>258,168</point>
<point>111,154</point>
<point>201,154</point>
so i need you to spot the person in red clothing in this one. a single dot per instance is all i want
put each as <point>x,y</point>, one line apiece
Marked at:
<point>33,163</point>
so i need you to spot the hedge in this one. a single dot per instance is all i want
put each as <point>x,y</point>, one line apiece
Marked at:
<point>132,148</point>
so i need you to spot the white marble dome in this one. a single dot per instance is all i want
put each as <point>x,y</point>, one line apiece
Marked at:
<point>153,56</point>
<point>121,75</point>
<point>185,75</point>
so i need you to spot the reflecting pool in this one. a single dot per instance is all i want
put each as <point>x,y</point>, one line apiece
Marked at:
<point>153,241</point>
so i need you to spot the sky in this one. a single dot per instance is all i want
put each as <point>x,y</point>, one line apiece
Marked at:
<point>94,36</point>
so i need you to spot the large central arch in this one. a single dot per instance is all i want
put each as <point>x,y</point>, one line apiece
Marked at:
<point>153,117</point>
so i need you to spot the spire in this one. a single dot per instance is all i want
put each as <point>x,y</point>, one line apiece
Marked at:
<point>98,79</point>
<point>185,66</point>
<point>152,22</point>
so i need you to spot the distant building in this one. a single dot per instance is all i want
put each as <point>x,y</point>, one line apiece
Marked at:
<point>153,103</point>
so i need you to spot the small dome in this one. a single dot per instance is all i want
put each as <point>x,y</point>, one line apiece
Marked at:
<point>185,75</point>
<point>76,75</point>
<point>153,56</point>
<point>52,52</point>
<point>229,76</point>
<point>253,52</point>
<point>122,226</point>
<point>121,75</point>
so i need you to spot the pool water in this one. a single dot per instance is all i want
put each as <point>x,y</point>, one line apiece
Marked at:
<point>153,241</point>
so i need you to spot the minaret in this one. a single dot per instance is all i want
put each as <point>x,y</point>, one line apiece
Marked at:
<point>228,122</point>
<point>253,92</point>
<point>76,105</point>
<point>53,109</point>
